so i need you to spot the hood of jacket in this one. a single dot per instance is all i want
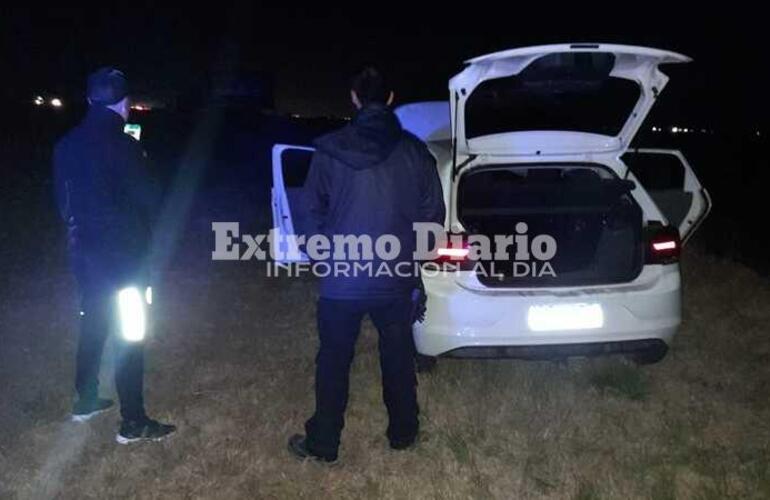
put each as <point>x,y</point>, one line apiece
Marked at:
<point>367,141</point>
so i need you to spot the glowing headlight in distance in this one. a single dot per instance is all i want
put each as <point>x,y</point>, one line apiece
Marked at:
<point>148,295</point>
<point>565,317</point>
<point>56,102</point>
<point>132,316</point>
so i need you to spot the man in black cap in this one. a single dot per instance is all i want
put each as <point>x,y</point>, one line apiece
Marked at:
<point>107,201</point>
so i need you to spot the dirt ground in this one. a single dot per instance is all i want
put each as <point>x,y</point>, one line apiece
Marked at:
<point>231,363</point>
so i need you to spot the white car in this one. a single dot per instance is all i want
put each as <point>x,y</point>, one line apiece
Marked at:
<point>541,135</point>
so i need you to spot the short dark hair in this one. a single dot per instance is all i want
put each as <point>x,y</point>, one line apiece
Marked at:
<point>107,86</point>
<point>370,85</point>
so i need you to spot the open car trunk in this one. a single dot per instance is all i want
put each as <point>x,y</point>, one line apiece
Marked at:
<point>586,208</point>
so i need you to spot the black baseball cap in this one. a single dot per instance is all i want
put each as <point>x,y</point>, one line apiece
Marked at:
<point>107,86</point>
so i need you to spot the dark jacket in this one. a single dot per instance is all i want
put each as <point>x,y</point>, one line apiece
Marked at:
<point>105,197</point>
<point>372,178</point>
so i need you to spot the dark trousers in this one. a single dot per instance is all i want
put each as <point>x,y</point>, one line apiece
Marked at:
<point>98,320</point>
<point>339,323</point>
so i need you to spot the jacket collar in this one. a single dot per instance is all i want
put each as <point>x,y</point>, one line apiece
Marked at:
<point>103,117</point>
<point>370,112</point>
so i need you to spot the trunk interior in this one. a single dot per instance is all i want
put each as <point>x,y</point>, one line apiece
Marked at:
<point>587,209</point>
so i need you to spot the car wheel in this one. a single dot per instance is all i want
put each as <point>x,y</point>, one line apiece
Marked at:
<point>425,364</point>
<point>649,356</point>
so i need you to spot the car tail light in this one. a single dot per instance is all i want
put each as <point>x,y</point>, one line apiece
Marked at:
<point>663,245</point>
<point>454,251</point>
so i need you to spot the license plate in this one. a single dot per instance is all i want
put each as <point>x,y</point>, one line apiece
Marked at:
<point>565,317</point>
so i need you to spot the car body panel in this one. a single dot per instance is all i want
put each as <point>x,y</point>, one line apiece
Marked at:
<point>428,120</point>
<point>458,316</point>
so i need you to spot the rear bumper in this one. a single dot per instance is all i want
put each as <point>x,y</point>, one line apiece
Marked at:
<point>464,320</point>
<point>558,351</point>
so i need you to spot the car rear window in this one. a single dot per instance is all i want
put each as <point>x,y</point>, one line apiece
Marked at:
<point>562,91</point>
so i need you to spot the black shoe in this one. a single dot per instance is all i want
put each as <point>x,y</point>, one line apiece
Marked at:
<point>133,431</point>
<point>298,448</point>
<point>84,409</point>
<point>402,444</point>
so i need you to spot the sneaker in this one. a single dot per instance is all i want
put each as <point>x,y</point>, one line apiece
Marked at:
<point>84,409</point>
<point>298,448</point>
<point>133,431</point>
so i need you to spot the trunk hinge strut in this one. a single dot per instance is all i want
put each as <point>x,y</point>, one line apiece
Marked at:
<point>454,137</point>
<point>455,167</point>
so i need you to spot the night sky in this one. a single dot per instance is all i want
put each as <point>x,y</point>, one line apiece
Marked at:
<point>311,53</point>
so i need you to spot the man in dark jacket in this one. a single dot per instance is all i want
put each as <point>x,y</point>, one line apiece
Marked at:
<point>107,200</point>
<point>369,178</point>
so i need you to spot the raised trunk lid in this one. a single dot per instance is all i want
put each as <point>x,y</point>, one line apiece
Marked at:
<point>556,99</point>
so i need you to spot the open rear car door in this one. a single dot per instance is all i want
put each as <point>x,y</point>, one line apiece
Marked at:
<point>291,165</point>
<point>672,184</point>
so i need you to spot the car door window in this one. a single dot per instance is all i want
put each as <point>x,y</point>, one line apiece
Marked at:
<point>291,165</point>
<point>295,167</point>
<point>671,183</point>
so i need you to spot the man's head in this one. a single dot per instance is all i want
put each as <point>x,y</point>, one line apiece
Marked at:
<point>108,87</point>
<point>370,86</point>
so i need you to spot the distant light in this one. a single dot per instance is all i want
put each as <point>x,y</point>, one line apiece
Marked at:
<point>56,102</point>
<point>148,295</point>
<point>703,131</point>
<point>674,130</point>
<point>39,101</point>
<point>140,107</point>
<point>758,134</point>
